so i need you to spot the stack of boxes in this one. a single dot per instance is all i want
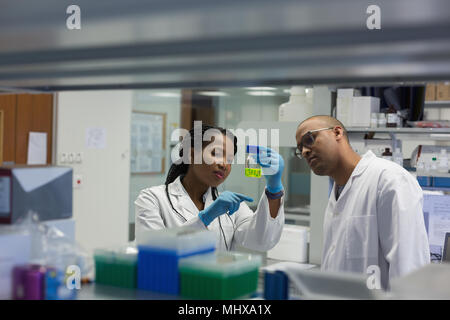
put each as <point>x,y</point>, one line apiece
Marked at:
<point>435,93</point>
<point>179,261</point>
<point>353,110</point>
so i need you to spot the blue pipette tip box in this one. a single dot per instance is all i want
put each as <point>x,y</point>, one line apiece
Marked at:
<point>159,253</point>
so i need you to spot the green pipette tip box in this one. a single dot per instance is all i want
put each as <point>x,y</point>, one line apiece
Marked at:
<point>116,267</point>
<point>219,275</point>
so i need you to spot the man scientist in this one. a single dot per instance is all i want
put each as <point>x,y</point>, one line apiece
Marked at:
<point>374,215</point>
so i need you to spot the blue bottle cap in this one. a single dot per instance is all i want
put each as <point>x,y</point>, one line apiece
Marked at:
<point>252,149</point>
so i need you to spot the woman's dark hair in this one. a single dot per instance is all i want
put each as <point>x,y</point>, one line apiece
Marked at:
<point>182,168</point>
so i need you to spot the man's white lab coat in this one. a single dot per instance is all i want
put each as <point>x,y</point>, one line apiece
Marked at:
<point>377,220</point>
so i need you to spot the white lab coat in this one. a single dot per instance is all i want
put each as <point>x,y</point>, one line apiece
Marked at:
<point>377,220</point>
<point>253,230</point>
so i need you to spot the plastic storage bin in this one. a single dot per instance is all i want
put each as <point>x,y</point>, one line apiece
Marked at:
<point>29,282</point>
<point>424,181</point>
<point>56,286</point>
<point>160,252</point>
<point>276,285</point>
<point>441,182</point>
<point>116,267</point>
<point>220,275</point>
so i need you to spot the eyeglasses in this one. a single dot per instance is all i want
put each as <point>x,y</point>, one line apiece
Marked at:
<point>307,140</point>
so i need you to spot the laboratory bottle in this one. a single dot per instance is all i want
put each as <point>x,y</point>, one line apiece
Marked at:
<point>443,161</point>
<point>391,117</point>
<point>252,168</point>
<point>433,166</point>
<point>381,120</point>
<point>420,167</point>
<point>398,157</point>
<point>387,154</point>
<point>298,108</point>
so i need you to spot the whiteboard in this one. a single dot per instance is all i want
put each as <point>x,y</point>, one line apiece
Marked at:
<point>147,142</point>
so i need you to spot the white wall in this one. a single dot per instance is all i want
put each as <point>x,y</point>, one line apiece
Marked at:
<point>100,205</point>
<point>146,101</point>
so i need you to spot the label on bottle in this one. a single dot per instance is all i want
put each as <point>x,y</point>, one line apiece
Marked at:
<point>392,118</point>
<point>253,173</point>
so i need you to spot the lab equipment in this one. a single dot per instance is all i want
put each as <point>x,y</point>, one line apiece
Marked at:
<point>159,252</point>
<point>374,120</point>
<point>29,282</point>
<point>298,108</point>
<point>293,245</point>
<point>56,286</point>
<point>219,275</point>
<point>443,161</point>
<point>116,267</point>
<point>46,190</point>
<point>344,105</point>
<point>362,109</point>
<point>226,203</point>
<point>276,285</point>
<point>382,120</point>
<point>15,249</point>
<point>398,157</point>
<point>387,154</point>
<point>252,168</point>
<point>315,284</point>
<point>428,282</point>
<point>441,182</point>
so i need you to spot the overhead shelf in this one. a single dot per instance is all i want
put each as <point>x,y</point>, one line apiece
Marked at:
<point>203,43</point>
<point>437,104</point>
<point>401,130</point>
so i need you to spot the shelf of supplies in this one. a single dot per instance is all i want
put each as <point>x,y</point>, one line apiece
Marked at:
<point>400,130</point>
<point>437,104</point>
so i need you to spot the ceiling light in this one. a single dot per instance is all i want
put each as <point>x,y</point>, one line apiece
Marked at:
<point>213,93</point>
<point>261,93</point>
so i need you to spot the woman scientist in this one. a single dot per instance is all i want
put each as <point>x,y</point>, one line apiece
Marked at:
<point>190,198</point>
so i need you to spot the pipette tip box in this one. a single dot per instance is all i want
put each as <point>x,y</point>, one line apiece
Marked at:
<point>160,252</point>
<point>116,267</point>
<point>219,275</point>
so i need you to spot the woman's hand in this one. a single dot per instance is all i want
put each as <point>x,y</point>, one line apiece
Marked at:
<point>227,202</point>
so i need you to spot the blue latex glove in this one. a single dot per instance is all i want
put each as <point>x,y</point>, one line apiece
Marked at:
<point>226,202</point>
<point>272,164</point>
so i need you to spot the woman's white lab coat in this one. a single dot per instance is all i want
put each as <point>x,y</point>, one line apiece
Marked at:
<point>253,230</point>
<point>377,220</point>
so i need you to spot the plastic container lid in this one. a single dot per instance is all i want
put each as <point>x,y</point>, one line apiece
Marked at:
<point>180,239</point>
<point>222,262</point>
<point>126,253</point>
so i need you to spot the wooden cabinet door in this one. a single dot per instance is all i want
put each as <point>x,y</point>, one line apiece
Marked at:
<point>34,113</point>
<point>8,104</point>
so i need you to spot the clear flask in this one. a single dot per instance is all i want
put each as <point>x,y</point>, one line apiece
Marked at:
<point>252,168</point>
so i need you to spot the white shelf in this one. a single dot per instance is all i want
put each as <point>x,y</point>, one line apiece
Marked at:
<point>400,130</point>
<point>437,104</point>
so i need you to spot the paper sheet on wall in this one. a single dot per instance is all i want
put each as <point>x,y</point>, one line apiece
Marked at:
<point>147,138</point>
<point>37,148</point>
<point>437,208</point>
<point>95,138</point>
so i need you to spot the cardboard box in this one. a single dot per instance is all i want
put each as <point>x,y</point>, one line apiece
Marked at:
<point>443,91</point>
<point>430,92</point>
<point>362,108</point>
